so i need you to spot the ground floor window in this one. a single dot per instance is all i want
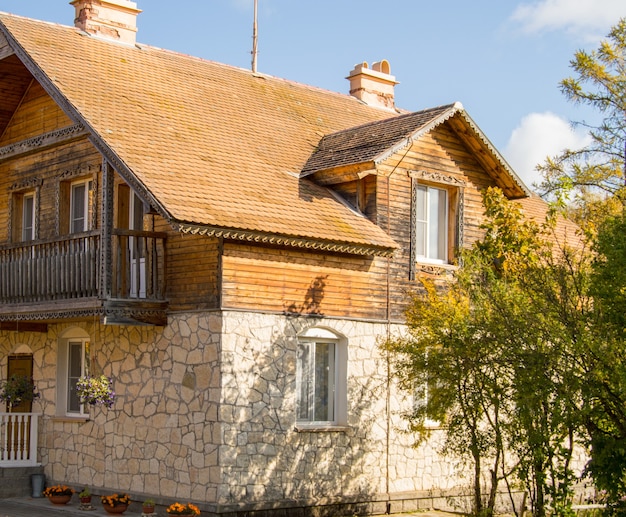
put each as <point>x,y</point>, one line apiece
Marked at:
<point>321,371</point>
<point>73,363</point>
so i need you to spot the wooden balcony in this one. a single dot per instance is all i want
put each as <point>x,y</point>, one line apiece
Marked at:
<point>72,275</point>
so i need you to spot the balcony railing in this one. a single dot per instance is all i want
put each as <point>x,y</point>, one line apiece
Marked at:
<point>18,439</point>
<point>70,268</point>
<point>138,265</point>
<point>51,269</point>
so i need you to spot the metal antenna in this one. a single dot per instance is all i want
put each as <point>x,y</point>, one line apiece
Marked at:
<point>254,37</point>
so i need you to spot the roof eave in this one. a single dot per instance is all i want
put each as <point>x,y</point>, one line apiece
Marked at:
<point>517,189</point>
<point>287,240</point>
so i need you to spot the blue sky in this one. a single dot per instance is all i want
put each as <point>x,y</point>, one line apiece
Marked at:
<point>502,59</point>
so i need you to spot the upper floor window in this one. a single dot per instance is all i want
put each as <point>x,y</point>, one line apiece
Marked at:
<point>321,378</point>
<point>23,221</point>
<point>28,217</point>
<point>80,197</point>
<point>431,223</point>
<point>436,218</point>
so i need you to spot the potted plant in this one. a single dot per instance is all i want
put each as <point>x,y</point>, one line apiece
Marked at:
<point>17,388</point>
<point>183,509</point>
<point>96,390</point>
<point>58,494</point>
<point>148,506</point>
<point>115,503</point>
<point>85,496</point>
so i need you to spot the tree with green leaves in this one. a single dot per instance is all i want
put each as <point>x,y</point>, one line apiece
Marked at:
<point>605,391</point>
<point>595,174</point>
<point>454,380</point>
<point>495,349</point>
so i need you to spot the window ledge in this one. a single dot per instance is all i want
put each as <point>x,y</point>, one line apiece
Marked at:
<point>71,419</point>
<point>330,428</point>
<point>435,264</point>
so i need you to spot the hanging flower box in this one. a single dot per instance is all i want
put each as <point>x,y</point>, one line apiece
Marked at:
<point>96,391</point>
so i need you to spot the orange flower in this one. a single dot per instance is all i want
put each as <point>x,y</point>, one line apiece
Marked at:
<point>115,499</point>
<point>58,490</point>
<point>183,509</point>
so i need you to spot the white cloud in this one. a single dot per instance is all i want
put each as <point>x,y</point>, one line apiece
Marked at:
<point>590,19</point>
<point>538,136</point>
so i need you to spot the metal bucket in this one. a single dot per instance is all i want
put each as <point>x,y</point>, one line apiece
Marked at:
<point>38,481</point>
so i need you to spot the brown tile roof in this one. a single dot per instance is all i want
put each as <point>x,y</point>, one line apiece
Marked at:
<point>214,147</point>
<point>368,142</point>
<point>566,233</point>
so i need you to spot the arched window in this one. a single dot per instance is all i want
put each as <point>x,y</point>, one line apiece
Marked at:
<point>321,378</point>
<point>73,363</point>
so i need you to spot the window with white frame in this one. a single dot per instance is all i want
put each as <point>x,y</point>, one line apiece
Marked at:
<point>73,363</point>
<point>80,193</point>
<point>321,378</point>
<point>420,399</point>
<point>28,217</point>
<point>23,219</point>
<point>437,225</point>
<point>431,223</point>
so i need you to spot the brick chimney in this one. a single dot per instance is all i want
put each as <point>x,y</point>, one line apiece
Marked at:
<point>374,86</point>
<point>112,19</point>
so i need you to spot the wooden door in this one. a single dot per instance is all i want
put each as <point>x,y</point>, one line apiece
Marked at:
<point>21,364</point>
<point>18,432</point>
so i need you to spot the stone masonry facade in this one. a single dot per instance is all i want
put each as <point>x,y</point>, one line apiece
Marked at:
<point>205,412</point>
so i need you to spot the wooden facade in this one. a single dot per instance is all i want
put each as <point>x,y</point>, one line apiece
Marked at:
<point>193,272</point>
<point>54,271</point>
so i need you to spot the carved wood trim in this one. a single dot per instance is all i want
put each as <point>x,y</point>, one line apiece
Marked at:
<point>460,222</point>
<point>437,177</point>
<point>51,315</point>
<point>142,313</point>
<point>40,142</point>
<point>282,240</point>
<point>5,49</point>
<point>106,258</point>
<point>452,184</point>
<point>10,218</point>
<point>27,185</point>
<point>68,175</point>
<point>440,271</point>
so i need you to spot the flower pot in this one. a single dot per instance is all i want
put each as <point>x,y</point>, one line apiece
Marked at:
<point>120,508</point>
<point>148,508</point>
<point>59,499</point>
<point>85,499</point>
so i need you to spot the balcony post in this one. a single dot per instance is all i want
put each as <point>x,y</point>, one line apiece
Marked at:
<point>106,259</point>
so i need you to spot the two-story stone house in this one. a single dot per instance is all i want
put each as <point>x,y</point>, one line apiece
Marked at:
<point>229,247</point>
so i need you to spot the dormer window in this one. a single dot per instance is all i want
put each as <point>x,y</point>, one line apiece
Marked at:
<point>431,224</point>
<point>436,218</point>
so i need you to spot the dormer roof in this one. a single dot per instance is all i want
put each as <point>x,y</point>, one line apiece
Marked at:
<point>364,147</point>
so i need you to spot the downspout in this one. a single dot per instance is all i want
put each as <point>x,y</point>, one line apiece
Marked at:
<point>388,317</point>
<point>388,331</point>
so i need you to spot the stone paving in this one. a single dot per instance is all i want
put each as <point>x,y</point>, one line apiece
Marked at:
<point>36,507</point>
<point>41,507</point>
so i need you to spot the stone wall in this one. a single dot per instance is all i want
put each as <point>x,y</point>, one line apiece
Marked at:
<point>263,455</point>
<point>206,412</point>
